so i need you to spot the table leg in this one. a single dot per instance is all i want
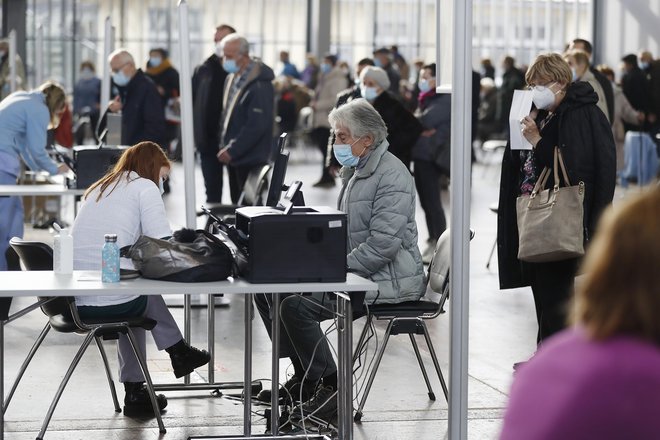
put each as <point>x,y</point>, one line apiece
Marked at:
<point>210,336</point>
<point>275,372</point>
<point>2,380</point>
<point>186,327</point>
<point>247,379</point>
<point>345,371</point>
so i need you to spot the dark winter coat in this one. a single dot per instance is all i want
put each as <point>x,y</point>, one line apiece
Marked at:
<point>403,128</point>
<point>167,77</point>
<point>143,117</point>
<point>582,132</point>
<point>608,91</point>
<point>208,83</point>
<point>248,128</point>
<point>436,114</point>
<point>635,87</point>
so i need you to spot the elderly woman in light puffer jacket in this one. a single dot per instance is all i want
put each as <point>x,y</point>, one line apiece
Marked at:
<point>378,196</point>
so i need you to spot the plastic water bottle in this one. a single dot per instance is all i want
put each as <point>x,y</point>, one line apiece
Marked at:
<point>63,252</point>
<point>110,260</point>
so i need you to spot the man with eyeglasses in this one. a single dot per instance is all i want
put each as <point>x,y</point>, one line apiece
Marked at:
<point>138,100</point>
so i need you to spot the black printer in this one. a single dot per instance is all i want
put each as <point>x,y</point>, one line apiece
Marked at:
<point>297,244</point>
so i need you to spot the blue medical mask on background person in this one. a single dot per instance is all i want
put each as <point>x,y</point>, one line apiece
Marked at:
<point>543,97</point>
<point>344,154</point>
<point>155,61</point>
<point>86,73</point>
<point>574,74</point>
<point>120,78</point>
<point>369,93</point>
<point>230,66</point>
<point>643,65</point>
<point>325,67</point>
<point>377,63</point>
<point>424,85</point>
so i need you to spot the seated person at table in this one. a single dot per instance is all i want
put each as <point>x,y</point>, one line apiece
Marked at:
<point>127,202</point>
<point>601,379</point>
<point>378,196</point>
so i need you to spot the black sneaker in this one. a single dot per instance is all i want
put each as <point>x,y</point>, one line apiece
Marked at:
<point>185,361</point>
<point>137,401</point>
<point>323,405</point>
<point>290,391</point>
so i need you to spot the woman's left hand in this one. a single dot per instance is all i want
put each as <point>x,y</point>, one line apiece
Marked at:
<point>529,130</point>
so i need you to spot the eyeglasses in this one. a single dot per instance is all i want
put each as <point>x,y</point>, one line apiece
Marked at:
<point>540,87</point>
<point>120,67</point>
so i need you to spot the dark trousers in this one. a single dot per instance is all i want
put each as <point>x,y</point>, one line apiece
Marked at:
<point>301,335</point>
<point>427,182</point>
<point>212,170</point>
<point>320,137</point>
<point>552,286</point>
<point>237,178</point>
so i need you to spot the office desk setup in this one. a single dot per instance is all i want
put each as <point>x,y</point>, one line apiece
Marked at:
<point>88,283</point>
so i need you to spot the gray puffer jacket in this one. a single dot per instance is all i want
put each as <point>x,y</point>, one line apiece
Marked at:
<point>379,200</point>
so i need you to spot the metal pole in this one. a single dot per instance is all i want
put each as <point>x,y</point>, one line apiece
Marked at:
<point>107,49</point>
<point>187,137</point>
<point>39,54</point>
<point>12,61</point>
<point>461,122</point>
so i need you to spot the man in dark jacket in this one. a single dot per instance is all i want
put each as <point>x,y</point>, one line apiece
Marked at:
<point>383,59</point>
<point>651,69</point>
<point>247,119</point>
<point>584,45</point>
<point>208,85</point>
<point>137,98</point>
<point>512,80</point>
<point>635,86</point>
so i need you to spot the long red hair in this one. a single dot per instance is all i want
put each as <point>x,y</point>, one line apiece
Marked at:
<point>145,158</point>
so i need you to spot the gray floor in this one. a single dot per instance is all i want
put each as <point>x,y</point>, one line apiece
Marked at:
<point>502,331</point>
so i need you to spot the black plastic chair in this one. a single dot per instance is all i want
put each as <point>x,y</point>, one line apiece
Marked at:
<point>63,317</point>
<point>408,318</point>
<point>253,194</point>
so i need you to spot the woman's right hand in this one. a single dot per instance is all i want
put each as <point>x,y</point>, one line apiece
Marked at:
<point>63,168</point>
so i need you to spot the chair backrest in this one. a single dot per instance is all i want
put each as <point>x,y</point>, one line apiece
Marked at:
<point>36,255</point>
<point>438,276</point>
<point>255,186</point>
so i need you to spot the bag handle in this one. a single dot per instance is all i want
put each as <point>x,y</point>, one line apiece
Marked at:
<point>540,182</point>
<point>559,158</point>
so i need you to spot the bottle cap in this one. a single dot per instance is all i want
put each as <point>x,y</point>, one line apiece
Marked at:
<point>110,237</point>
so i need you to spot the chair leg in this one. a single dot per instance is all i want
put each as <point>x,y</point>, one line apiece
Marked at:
<point>65,380</point>
<point>147,378</point>
<point>435,361</point>
<point>492,251</point>
<point>421,366</point>
<point>108,374</point>
<point>363,336</point>
<point>25,364</point>
<point>379,356</point>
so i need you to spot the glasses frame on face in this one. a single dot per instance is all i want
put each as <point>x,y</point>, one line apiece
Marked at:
<point>541,87</point>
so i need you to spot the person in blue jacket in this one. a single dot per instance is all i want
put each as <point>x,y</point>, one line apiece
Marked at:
<point>24,121</point>
<point>246,123</point>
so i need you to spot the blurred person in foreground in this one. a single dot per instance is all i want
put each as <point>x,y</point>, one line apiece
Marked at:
<point>601,379</point>
<point>564,115</point>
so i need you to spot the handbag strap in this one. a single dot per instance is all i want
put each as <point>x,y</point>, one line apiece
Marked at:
<point>559,158</point>
<point>541,181</point>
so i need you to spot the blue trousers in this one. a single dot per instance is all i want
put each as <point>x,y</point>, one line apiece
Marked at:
<point>11,208</point>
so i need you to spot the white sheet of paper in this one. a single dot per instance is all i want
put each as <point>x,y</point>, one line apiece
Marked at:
<point>520,107</point>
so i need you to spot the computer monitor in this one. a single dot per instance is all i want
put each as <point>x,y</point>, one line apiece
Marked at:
<point>279,173</point>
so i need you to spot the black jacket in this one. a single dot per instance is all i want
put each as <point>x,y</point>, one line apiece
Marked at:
<point>143,117</point>
<point>207,87</point>
<point>636,89</point>
<point>166,77</point>
<point>607,90</point>
<point>584,136</point>
<point>403,128</point>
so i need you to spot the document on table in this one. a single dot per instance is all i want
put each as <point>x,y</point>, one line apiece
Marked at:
<point>520,107</point>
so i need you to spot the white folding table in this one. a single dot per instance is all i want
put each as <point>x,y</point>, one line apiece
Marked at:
<point>88,283</point>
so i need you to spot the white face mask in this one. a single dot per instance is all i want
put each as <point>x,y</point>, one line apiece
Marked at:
<point>543,97</point>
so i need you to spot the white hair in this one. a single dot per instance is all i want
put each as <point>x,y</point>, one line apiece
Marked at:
<point>361,119</point>
<point>122,53</point>
<point>243,45</point>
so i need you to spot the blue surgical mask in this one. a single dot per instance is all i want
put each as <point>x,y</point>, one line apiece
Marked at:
<point>377,62</point>
<point>86,73</point>
<point>344,154</point>
<point>369,93</point>
<point>155,61</point>
<point>643,65</point>
<point>120,78</point>
<point>325,67</point>
<point>230,66</point>
<point>424,85</point>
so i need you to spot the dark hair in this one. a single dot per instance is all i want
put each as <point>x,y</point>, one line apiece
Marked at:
<point>588,48</point>
<point>366,62</point>
<point>605,70</point>
<point>88,64</point>
<point>163,52</point>
<point>382,50</point>
<point>330,57</point>
<point>631,58</point>
<point>509,61</point>
<point>430,67</point>
<point>225,27</point>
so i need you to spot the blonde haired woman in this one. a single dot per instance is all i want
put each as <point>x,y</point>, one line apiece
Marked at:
<point>25,118</point>
<point>601,380</point>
